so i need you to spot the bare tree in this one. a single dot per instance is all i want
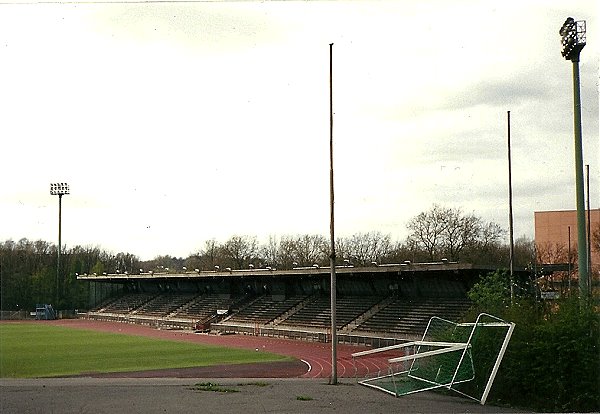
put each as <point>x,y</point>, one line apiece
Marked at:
<point>241,250</point>
<point>309,249</point>
<point>364,248</point>
<point>459,231</point>
<point>270,252</point>
<point>448,232</point>
<point>427,229</point>
<point>287,252</point>
<point>553,253</point>
<point>524,254</point>
<point>209,256</point>
<point>490,235</point>
<point>126,262</point>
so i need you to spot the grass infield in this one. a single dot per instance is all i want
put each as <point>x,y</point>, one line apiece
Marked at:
<point>37,350</point>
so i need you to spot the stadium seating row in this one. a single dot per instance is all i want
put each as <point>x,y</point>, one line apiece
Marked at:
<point>389,315</point>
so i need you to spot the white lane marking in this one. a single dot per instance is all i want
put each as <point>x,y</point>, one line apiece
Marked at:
<point>309,366</point>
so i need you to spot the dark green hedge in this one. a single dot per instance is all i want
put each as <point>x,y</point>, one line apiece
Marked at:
<point>553,360</point>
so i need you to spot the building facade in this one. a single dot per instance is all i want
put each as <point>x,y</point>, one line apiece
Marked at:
<point>556,235</point>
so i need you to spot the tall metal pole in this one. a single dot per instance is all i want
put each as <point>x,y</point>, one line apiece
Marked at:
<point>581,231</point>
<point>573,37</point>
<point>569,228</point>
<point>331,228</point>
<point>59,189</point>
<point>510,218</point>
<point>59,246</point>
<point>589,230</point>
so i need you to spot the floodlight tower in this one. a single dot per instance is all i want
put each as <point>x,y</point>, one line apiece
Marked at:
<point>59,189</point>
<point>573,40</point>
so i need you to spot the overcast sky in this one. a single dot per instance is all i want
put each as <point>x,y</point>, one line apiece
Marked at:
<point>175,123</point>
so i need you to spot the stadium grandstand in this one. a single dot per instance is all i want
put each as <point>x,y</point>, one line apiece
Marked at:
<point>380,301</point>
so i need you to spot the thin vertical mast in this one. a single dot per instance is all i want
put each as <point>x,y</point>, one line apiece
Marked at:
<point>331,227</point>
<point>510,218</point>
<point>589,240</point>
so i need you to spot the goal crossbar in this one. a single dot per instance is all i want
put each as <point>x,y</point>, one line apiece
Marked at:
<point>446,347</point>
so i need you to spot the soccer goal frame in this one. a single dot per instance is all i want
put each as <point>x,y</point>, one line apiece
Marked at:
<point>462,357</point>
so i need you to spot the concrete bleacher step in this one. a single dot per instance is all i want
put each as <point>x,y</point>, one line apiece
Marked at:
<point>410,316</point>
<point>242,307</point>
<point>302,304</point>
<point>185,306</point>
<point>106,304</point>
<point>370,312</point>
<point>129,303</point>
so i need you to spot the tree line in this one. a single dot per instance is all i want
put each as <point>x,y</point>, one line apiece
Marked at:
<point>28,269</point>
<point>28,273</point>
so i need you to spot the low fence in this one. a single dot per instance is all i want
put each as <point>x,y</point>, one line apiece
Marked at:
<point>155,322</point>
<point>304,334</point>
<point>30,315</point>
<point>16,315</point>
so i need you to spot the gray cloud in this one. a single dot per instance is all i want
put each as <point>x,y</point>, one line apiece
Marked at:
<point>503,92</point>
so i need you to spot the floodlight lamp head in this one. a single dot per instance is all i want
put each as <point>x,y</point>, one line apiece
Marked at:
<point>59,189</point>
<point>573,38</point>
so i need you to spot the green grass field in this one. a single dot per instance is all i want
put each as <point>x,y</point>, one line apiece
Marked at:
<point>36,350</point>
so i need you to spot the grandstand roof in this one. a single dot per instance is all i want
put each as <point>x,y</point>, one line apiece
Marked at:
<point>407,267</point>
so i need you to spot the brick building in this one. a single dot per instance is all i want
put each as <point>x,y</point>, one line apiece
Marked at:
<point>552,230</point>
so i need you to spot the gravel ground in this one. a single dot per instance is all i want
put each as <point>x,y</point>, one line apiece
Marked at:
<point>178,395</point>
